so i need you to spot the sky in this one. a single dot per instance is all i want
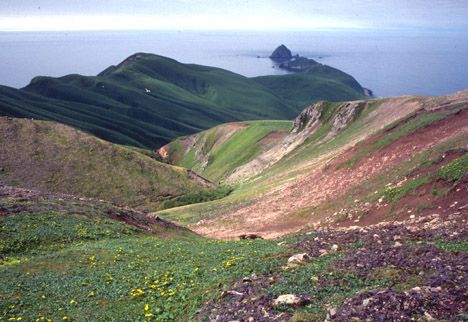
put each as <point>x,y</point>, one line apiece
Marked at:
<point>41,15</point>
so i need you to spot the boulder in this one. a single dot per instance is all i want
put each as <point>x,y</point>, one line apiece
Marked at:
<point>291,299</point>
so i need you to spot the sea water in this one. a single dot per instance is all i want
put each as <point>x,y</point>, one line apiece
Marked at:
<point>388,62</point>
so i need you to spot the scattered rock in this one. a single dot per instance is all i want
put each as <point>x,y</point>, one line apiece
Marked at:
<point>334,248</point>
<point>231,292</point>
<point>299,258</point>
<point>291,299</point>
<point>250,236</point>
<point>331,313</point>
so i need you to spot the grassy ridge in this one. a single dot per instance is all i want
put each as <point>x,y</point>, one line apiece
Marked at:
<point>56,158</point>
<point>149,100</point>
<point>319,82</point>
<point>218,151</point>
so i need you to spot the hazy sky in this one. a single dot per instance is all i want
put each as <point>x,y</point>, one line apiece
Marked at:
<point>231,14</point>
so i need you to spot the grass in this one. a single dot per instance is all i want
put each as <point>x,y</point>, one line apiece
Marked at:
<point>403,128</point>
<point>225,153</point>
<point>107,271</point>
<point>319,83</point>
<point>461,246</point>
<point>198,197</point>
<point>394,194</point>
<point>455,170</point>
<point>69,161</point>
<point>149,100</point>
<point>115,280</point>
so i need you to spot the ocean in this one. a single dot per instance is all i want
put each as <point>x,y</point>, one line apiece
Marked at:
<point>388,62</point>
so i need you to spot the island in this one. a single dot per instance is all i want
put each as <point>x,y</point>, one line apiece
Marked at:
<point>284,59</point>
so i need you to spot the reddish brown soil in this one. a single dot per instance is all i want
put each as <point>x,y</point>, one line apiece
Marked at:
<point>269,215</point>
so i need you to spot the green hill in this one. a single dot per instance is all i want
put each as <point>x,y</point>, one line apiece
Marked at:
<point>56,158</point>
<point>216,152</point>
<point>148,100</point>
<point>318,82</point>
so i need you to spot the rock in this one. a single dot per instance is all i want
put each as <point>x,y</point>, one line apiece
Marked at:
<point>331,313</point>
<point>250,236</point>
<point>299,258</point>
<point>366,302</point>
<point>291,299</point>
<point>235,293</point>
<point>281,53</point>
<point>397,244</point>
<point>429,317</point>
<point>334,248</point>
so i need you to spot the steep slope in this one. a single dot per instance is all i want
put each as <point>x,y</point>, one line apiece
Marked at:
<point>56,158</point>
<point>148,100</point>
<point>351,162</point>
<point>216,152</point>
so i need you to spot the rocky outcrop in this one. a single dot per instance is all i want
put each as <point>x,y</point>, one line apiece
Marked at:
<point>305,125</point>
<point>346,113</point>
<point>281,53</point>
<point>308,117</point>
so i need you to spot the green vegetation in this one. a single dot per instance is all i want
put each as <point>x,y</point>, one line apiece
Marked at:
<point>320,82</point>
<point>56,158</point>
<point>461,246</point>
<point>107,271</point>
<point>400,128</point>
<point>201,196</point>
<point>394,194</point>
<point>149,100</point>
<point>220,150</point>
<point>455,170</point>
<point>30,233</point>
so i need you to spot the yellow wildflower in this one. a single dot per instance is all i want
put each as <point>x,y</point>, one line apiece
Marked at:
<point>146,307</point>
<point>148,315</point>
<point>72,302</point>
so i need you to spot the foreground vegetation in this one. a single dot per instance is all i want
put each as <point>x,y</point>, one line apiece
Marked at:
<point>57,266</point>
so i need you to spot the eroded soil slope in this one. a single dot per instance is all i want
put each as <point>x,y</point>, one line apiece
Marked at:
<point>357,181</point>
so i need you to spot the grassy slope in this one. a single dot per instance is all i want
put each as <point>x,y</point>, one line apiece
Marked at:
<point>56,158</point>
<point>182,98</point>
<point>87,267</point>
<point>315,152</point>
<point>67,259</point>
<point>320,82</point>
<point>224,155</point>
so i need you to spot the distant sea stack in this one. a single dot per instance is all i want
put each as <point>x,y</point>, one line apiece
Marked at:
<point>281,53</point>
<point>285,60</point>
